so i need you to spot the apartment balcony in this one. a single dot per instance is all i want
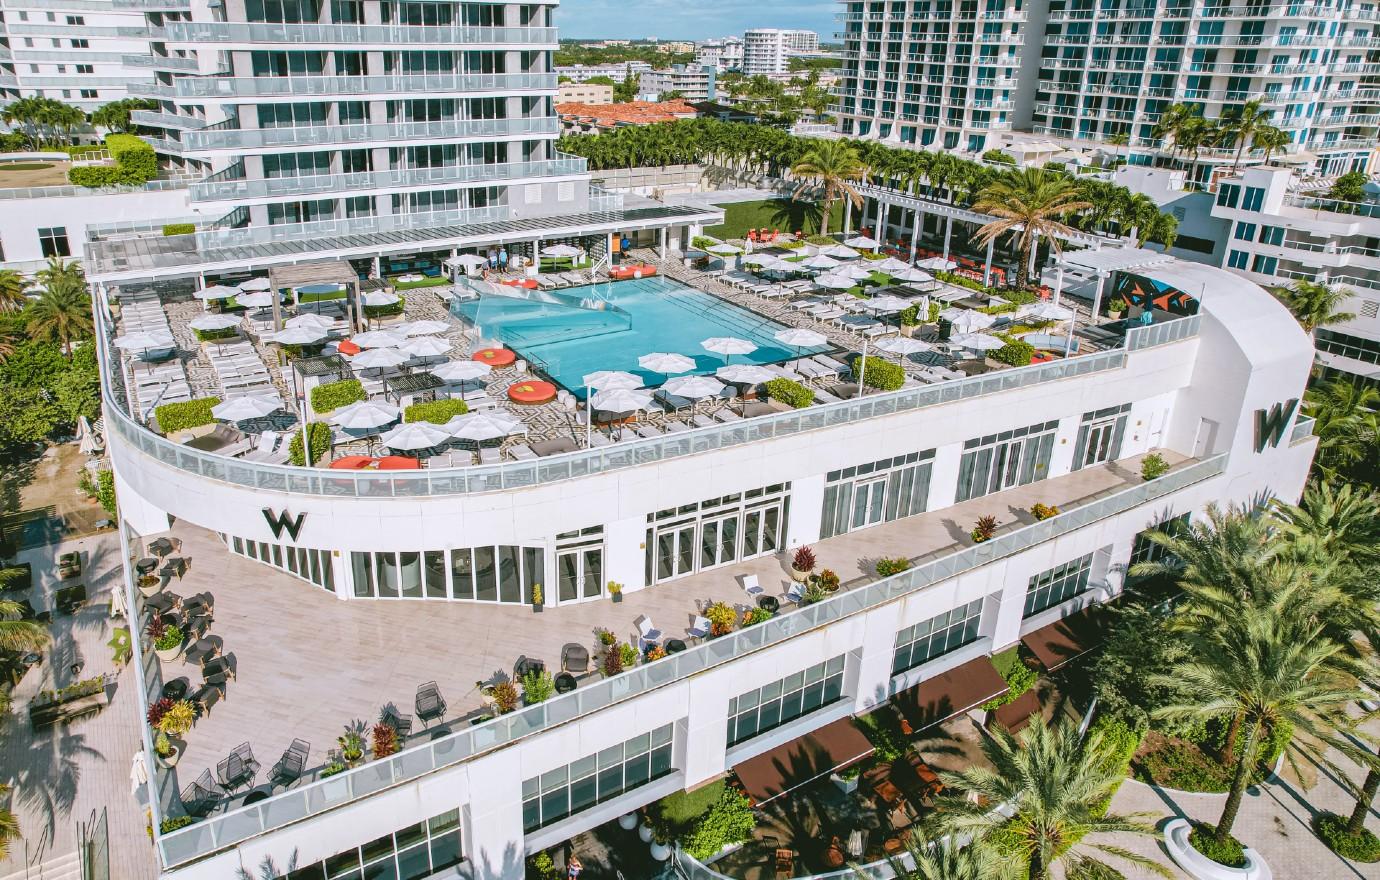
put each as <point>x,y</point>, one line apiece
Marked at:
<point>1258,40</point>
<point>1348,68</point>
<point>1365,96</point>
<point>1346,120</point>
<point>160,91</point>
<point>1071,15</point>
<point>350,35</point>
<point>250,88</point>
<point>9,80</point>
<point>62,29</point>
<point>169,63</point>
<point>230,137</point>
<point>159,119</point>
<point>154,5</point>
<point>1269,10</point>
<point>234,189</point>
<point>166,145</point>
<point>1342,144</point>
<point>1361,43</point>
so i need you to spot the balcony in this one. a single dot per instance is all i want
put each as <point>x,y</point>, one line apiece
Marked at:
<point>1347,120</point>
<point>159,119</point>
<point>350,35</point>
<point>329,184</point>
<point>231,138</point>
<point>171,63</point>
<point>249,88</point>
<point>154,5</point>
<point>160,91</point>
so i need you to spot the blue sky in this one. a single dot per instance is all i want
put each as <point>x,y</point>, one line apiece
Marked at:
<point>695,20</point>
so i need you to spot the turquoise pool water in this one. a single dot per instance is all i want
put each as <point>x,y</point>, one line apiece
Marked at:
<point>609,326</point>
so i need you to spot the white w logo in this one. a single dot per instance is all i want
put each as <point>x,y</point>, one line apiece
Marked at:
<point>1270,424</point>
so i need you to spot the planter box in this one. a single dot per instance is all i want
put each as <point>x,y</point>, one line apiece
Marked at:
<point>847,786</point>
<point>61,712</point>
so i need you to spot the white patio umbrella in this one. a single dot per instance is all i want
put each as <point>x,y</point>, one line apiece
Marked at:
<point>835,282</point>
<point>862,242</point>
<point>666,363</point>
<point>88,443</point>
<point>485,426</point>
<point>937,264</point>
<point>890,265</point>
<point>311,321</point>
<point>298,336</point>
<point>758,259</point>
<point>777,264</point>
<point>212,321</point>
<point>977,341</point>
<point>376,358</point>
<point>820,262</point>
<point>380,298</point>
<point>421,328</point>
<point>886,304</point>
<point>971,322</point>
<point>621,400</point>
<point>839,252</point>
<point>750,374</point>
<point>144,340</point>
<point>420,346</point>
<point>560,250</point>
<point>467,260</point>
<point>909,274</point>
<point>693,387</point>
<point>724,249</point>
<point>415,435</point>
<point>855,271</point>
<point>218,291</point>
<point>378,339</point>
<point>799,338</point>
<point>900,345</point>
<point>365,414</point>
<point>247,406</point>
<point>1047,311</point>
<point>728,345</point>
<point>608,380</point>
<point>259,300</point>
<point>460,371</point>
<point>256,284</point>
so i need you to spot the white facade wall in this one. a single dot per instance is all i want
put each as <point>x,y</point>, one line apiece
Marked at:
<point>72,51</point>
<point>21,219</point>
<point>764,51</point>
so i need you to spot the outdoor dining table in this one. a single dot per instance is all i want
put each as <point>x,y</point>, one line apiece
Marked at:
<point>146,565</point>
<point>160,546</point>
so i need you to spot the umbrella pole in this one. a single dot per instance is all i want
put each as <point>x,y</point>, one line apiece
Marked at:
<point>306,434</point>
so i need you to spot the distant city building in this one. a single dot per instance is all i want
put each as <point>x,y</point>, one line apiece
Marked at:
<point>694,82</point>
<point>768,50</point>
<point>676,47</point>
<point>584,93</point>
<point>594,118</point>
<point>725,54</point>
<point>617,72</point>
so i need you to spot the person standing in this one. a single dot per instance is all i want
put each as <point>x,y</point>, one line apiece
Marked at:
<point>503,259</point>
<point>573,868</point>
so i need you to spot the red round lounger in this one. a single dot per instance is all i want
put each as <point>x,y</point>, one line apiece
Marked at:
<point>632,270</point>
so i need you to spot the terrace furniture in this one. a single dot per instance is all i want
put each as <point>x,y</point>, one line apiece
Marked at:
<point>490,455</point>
<point>674,646</point>
<point>647,634</point>
<point>785,863</point>
<point>575,658</point>
<point>69,565</point>
<point>400,723</point>
<point>725,416</point>
<point>429,703</point>
<point>69,599</point>
<point>700,628</point>
<point>219,666</point>
<point>201,603</point>
<point>291,765</point>
<point>163,603</point>
<point>201,651</point>
<point>750,585</point>
<point>199,797</point>
<point>676,427</point>
<point>565,683</point>
<point>521,452</point>
<point>701,420</point>
<point>768,603</point>
<point>237,769</point>
<point>262,793</point>
<point>795,592</point>
<point>526,665</point>
<point>160,546</point>
<point>146,565</point>
<point>176,689</point>
<point>175,566</point>
<point>648,432</point>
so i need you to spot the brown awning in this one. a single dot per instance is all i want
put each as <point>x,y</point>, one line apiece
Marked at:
<point>1068,639</point>
<point>951,693</point>
<point>800,761</point>
<point>1017,713</point>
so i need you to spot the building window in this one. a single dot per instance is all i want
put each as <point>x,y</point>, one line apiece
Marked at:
<point>595,778</point>
<point>314,566</point>
<point>928,639</point>
<point>1059,584</point>
<point>1000,461</point>
<point>1237,259</point>
<point>77,20</point>
<point>772,705</point>
<point>715,532</point>
<point>85,68</point>
<point>81,44</point>
<point>1228,194</point>
<point>503,574</point>
<point>877,492</point>
<point>1145,550</point>
<point>412,853</point>
<point>1244,231</point>
<point>52,241</point>
<point>580,564</point>
<point>1273,235</point>
<point>1264,265</point>
<point>1099,436</point>
<point>1345,345</point>
<point>1255,197</point>
<point>88,93</point>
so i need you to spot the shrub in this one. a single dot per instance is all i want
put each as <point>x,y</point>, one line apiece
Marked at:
<point>135,164</point>
<point>1016,352</point>
<point>827,579</point>
<point>883,730</point>
<point>721,618</point>
<point>879,374</point>
<point>162,634</point>
<point>606,637</point>
<point>1119,743</point>
<point>537,687</point>
<point>729,821</point>
<point>910,316</point>
<point>888,567</point>
<point>1153,466</point>
<point>790,392</point>
<point>174,823</point>
<point>984,529</point>
<point>1043,511</point>
<point>612,662</point>
<point>320,434</point>
<point>334,395</point>
<point>384,740</point>
<point>702,242</point>
<point>1363,847</point>
<point>178,719</point>
<point>628,654</point>
<point>170,229</point>
<point>157,710</point>
<point>382,311</point>
<point>1179,764</point>
<point>1228,852</point>
<point>961,281</point>
<point>212,335</point>
<point>803,559</point>
<point>756,615</point>
<point>541,867</point>
<point>999,157</point>
<point>438,412</point>
<point>173,417</point>
<point>16,577</point>
<point>1019,674</point>
<point>505,697</point>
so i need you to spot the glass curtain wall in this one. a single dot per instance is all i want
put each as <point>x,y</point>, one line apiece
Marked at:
<point>1000,461</point>
<point>878,492</point>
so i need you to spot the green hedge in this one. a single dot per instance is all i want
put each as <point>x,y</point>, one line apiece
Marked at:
<point>729,821</point>
<point>382,311</point>
<point>438,412</point>
<point>789,392</point>
<point>334,395</point>
<point>880,374</point>
<point>105,491</point>
<point>135,164</point>
<point>1120,742</point>
<point>1019,674</point>
<point>1229,852</point>
<point>79,150</point>
<point>320,434</point>
<point>212,335</point>
<point>170,229</point>
<point>173,417</point>
<point>1016,352</point>
<point>438,281</point>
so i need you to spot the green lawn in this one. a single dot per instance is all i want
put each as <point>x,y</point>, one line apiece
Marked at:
<point>429,281</point>
<point>786,215</point>
<point>322,297</point>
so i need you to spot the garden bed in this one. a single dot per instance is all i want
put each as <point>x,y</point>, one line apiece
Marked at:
<point>1175,763</point>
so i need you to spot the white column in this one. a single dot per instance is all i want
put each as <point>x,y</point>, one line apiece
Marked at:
<point>987,268</point>
<point>662,246</point>
<point>1030,266</point>
<point>948,233</point>
<point>915,234</point>
<point>1097,299</point>
<point>1058,282</point>
<point>847,214</point>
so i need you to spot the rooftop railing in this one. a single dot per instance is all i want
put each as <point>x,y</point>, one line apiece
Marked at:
<point>57,192</point>
<point>383,84</point>
<point>377,224</point>
<point>229,828</point>
<point>259,33</point>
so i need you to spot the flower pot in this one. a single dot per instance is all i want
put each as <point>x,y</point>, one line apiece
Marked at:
<point>170,759</point>
<point>168,655</point>
<point>847,786</point>
<point>660,851</point>
<point>627,821</point>
<point>618,597</point>
<point>644,831</point>
<point>536,609</point>
<point>148,586</point>
<point>799,576</point>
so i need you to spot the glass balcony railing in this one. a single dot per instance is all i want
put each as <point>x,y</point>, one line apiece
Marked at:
<point>161,62</point>
<point>228,138</point>
<point>394,84</point>
<point>353,35</point>
<point>257,235</point>
<point>159,119</point>
<point>220,190</point>
<point>1303,429</point>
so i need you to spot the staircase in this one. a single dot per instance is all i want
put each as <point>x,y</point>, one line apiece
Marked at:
<point>65,867</point>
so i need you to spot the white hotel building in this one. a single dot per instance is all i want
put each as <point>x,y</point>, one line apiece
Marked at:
<point>81,52</point>
<point>1213,384</point>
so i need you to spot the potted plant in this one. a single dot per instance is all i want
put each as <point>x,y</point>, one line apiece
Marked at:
<point>655,652</point>
<point>627,821</point>
<point>756,615</point>
<point>1043,511</point>
<point>721,618</point>
<point>847,778</point>
<point>616,591</point>
<point>384,740</point>
<point>1115,307</point>
<point>150,584</point>
<point>802,564</point>
<point>628,655</point>
<point>984,530</point>
<point>827,580</point>
<point>538,600</point>
<point>605,637</point>
<point>166,750</point>
<point>1153,466</point>
<point>505,697</point>
<point>887,566</point>
<point>611,663</point>
<point>165,638</point>
<point>351,743</point>
<point>173,724</point>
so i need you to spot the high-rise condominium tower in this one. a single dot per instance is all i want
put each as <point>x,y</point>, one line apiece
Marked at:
<point>75,51</point>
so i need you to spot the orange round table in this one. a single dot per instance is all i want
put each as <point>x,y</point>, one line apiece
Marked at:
<point>533,392</point>
<point>495,357</point>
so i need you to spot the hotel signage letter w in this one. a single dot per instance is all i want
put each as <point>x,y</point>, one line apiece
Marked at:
<point>279,522</point>
<point>1270,423</point>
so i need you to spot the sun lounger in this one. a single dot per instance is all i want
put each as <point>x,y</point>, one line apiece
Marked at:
<point>489,455</point>
<point>673,401</point>
<point>834,365</point>
<point>521,452</point>
<point>822,396</point>
<point>809,369</point>
<point>727,415</point>
<point>676,427</point>
<point>598,440</point>
<point>700,420</point>
<point>647,432</point>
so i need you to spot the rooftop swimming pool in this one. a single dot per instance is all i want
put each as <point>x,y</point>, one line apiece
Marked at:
<point>580,330</point>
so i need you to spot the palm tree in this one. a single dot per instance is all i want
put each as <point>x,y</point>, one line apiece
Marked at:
<point>1332,526</point>
<point>9,825</point>
<point>1242,124</point>
<point>832,165</point>
<point>1270,139</point>
<point>943,860</point>
<point>1192,135</point>
<point>61,314</point>
<point>1171,122</point>
<point>1028,203</point>
<point>1058,784</point>
<point>1119,139</point>
<point>1345,422</point>
<point>17,634</point>
<point>1314,304</point>
<point>12,286</point>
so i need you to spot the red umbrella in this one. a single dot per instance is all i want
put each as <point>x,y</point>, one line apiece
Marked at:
<point>352,463</point>
<point>398,463</point>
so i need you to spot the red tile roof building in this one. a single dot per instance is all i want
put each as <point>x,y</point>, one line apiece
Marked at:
<point>579,117</point>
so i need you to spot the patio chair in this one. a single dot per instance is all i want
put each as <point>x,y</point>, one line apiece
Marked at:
<point>291,765</point>
<point>702,420</point>
<point>750,585</point>
<point>398,721</point>
<point>598,439</point>
<point>699,629</point>
<point>237,769</point>
<point>220,666</point>
<point>676,427</point>
<point>727,415</point>
<point>489,455</point>
<point>647,432</point>
<point>430,705</point>
<point>795,592</point>
<point>575,658</point>
<point>200,797</point>
<point>647,634</point>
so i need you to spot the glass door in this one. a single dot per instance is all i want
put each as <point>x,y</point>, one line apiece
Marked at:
<point>580,571</point>
<point>869,503</point>
<point>761,531</point>
<point>1100,438</point>
<point>719,541</point>
<point>675,551</point>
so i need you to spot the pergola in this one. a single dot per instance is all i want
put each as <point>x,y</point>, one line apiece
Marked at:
<point>303,274</point>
